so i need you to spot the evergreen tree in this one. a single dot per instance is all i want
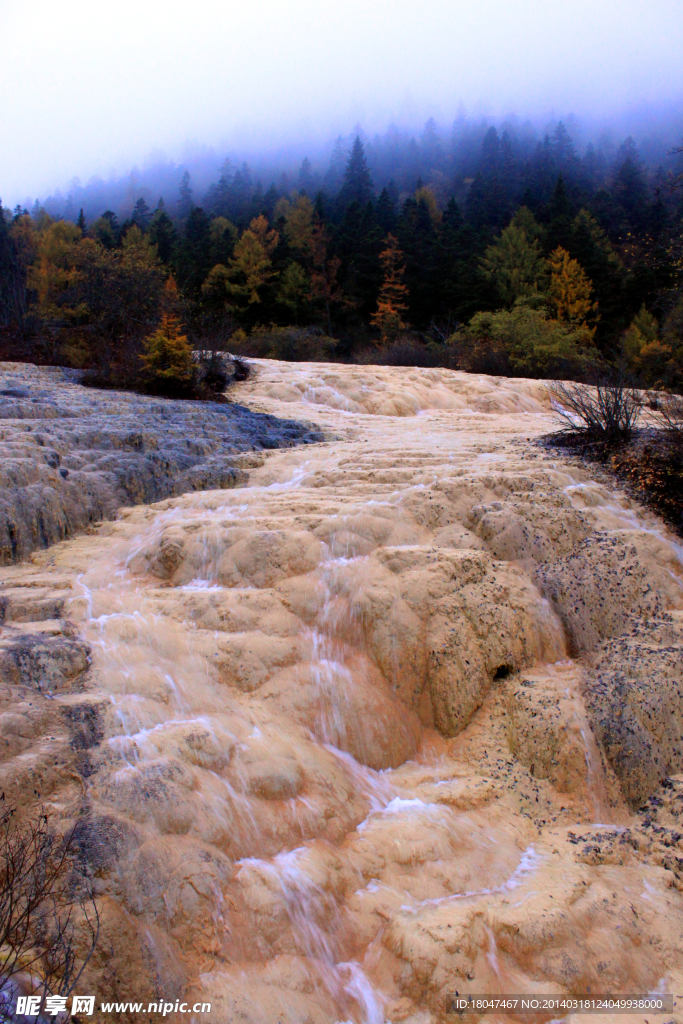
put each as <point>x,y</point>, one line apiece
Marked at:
<point>456,266</point>
<point>432,149</point>
<point>217,198</point>
<point>80,223</point>
<point>590,245</point>
<point>306,176</point>
<point>418,237</point>
<point>559,231</point>
<point>490,151</point>
<point>270,200</point>
<point>294,288</point>
<point>335,173</point>
<point>163,234</point>
<point>185,203</point>
<point>359,241</point>
<point>12,286</point>
<point>249,270</point>
<point>386,211</point>
<point>192,255</point>
<point>357,185</point>
<point>106,230</point>
<point>562,146</point>
<point>514,264</point>
<point>629,191</point>
<point>141,214</point>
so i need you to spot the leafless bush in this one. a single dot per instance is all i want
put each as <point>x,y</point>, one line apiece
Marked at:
<point>670,416</point>
<point>609,410</point>
<point>49,922</point>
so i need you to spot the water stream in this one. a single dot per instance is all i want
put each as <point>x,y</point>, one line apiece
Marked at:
<point>309,684</point>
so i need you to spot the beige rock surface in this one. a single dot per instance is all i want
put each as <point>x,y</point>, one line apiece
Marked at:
<point>399,717</point>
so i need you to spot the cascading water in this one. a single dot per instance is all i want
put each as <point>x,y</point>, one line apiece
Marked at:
<point>341,766</point>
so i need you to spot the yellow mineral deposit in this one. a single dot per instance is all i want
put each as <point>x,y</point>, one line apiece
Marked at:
<point>377,726</point>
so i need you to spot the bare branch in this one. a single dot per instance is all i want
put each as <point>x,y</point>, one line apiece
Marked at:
<point>47,909</point>
<point>607,410</point>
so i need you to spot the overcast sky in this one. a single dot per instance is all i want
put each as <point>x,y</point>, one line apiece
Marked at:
<point>93,85</point>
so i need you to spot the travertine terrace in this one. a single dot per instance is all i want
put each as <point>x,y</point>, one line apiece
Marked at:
<point>398,717</point>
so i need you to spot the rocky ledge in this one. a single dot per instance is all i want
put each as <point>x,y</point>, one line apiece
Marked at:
<point>72,455</point>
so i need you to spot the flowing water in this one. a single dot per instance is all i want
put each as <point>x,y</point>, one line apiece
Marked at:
<point>342,767</point>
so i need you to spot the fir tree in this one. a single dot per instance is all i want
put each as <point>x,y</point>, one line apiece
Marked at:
<point>357,181</point>
<point>141,214</point>
<point>386,211</point>
<point>185,203</point>
<point>163,234</point>
<point>306,176</point>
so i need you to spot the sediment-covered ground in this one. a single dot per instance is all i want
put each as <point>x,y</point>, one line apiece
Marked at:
<point>398,718</point>
<point>72,455</point>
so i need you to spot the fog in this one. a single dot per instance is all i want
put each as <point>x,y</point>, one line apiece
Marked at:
<point>93,89</point>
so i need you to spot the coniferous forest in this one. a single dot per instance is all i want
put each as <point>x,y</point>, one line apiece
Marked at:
<point>495,251</point>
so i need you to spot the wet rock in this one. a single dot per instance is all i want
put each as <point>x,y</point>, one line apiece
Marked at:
<point>103,840</point>
<point>48,663</point>
<point>329,761</point>
<point>548,730</point>
<point>607,582</point>
<point>72,455</point>
<point>634,700</point>
<point>86,723</point>
<point>275,779</point>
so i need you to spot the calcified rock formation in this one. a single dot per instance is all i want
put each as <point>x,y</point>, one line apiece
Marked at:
<point>71,456</point>
<point>376,727</point>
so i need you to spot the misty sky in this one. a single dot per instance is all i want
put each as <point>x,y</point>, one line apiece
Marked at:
<point>88,87</point>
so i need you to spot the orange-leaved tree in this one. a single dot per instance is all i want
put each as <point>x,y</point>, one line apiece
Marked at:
<point>167,360</point>
<point>324,286</point>
<point>393,295</point>
<point>570,293</point>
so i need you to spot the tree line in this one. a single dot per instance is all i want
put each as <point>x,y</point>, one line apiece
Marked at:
<point>522,260</point>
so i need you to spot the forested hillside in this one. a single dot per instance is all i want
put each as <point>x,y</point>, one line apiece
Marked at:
<point>498,252</point>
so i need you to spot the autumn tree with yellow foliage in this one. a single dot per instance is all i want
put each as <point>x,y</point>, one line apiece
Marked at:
<point>569,293</point>
<point>249,270</point>
<point>392,300</point>
<point>166,359</point>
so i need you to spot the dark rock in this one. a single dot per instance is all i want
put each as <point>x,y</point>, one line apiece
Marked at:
<point>72,455</point>
<point>45,662</point>
<point>633,698</point>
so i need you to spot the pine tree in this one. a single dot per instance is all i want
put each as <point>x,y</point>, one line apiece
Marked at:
<point>185,203</point>
<point>141,214</point>
<point>193,253</point>
<point>392,299</point>
<point>306,176</point>
<point>357,180</point>
<point>514,264</point>
<point>249,270</point>
<point>562,145</point>
<point>163,234</point>
<point>294,287</point>
<point>559,232</point>
<point>629,189</point>
<point>80,223</point>
<point>335,172</point>
<point>386,208</point>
